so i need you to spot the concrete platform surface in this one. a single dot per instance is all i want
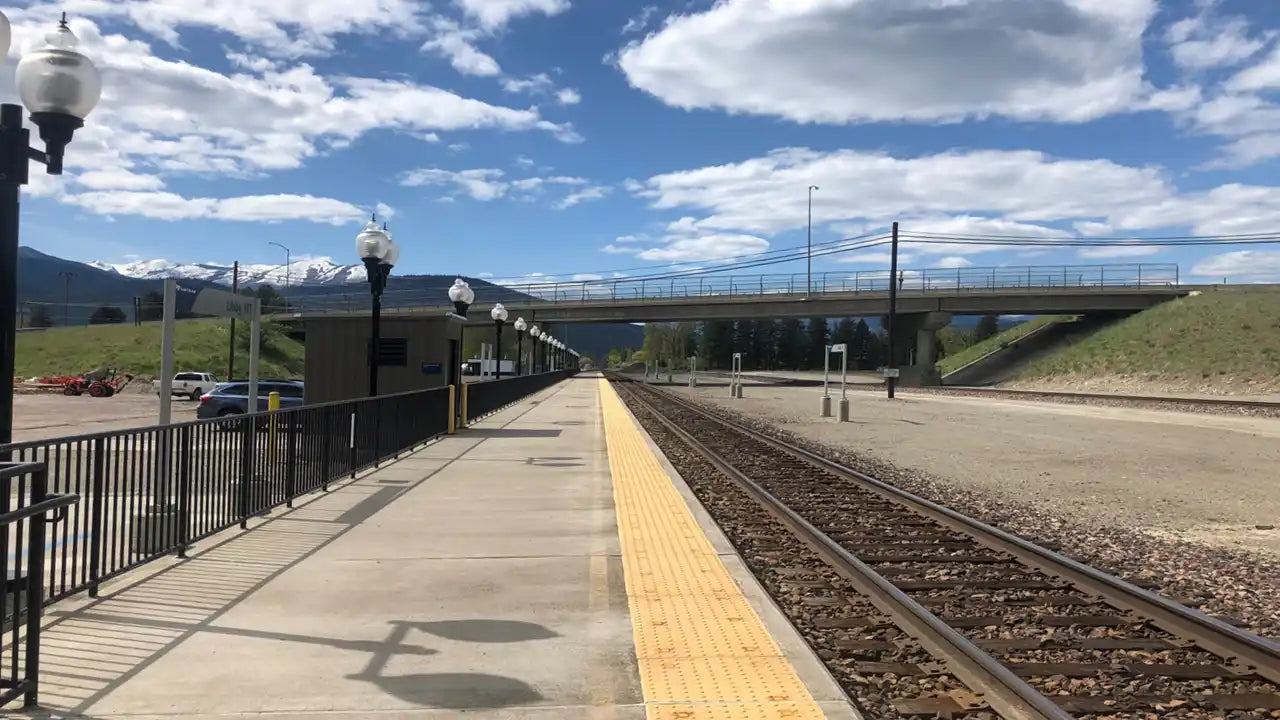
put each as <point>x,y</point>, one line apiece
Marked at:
<point>481,575</point>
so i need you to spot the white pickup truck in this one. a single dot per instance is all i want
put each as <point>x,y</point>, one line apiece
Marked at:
<point>191,384</point>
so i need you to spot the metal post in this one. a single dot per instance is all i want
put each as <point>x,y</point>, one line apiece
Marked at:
<point>184,489</point>
<point>519,353</point>
<point>844,383</point>
<point>808,286</point>
<point>35,589</point>
<point>826,381</point>
<point>13,154</point>
<point>893,312</point>
<point>166,350</point>
<point>96,530</point>
<point>231,346</point>
<point>255,331</point>
<point>375,340</point>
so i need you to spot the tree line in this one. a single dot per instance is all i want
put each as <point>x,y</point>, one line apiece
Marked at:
<point>788,344</point>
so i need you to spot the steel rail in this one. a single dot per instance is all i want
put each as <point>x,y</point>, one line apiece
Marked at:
<point>999,687</point>
<point>1245,651</point>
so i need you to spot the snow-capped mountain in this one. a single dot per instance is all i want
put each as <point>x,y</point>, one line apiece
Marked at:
<point>303,271</point>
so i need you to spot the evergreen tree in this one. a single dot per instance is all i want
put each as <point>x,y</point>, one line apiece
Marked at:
<point>790,343</point>
<point>716,347</point>
<point>819,339</point>
<point>988,326</point>
<point>106,315</point>
<point>41,317</point>
<point>862,352</point>
<point>763,345</point>
<point>844,333</point>
<point>151,306</point>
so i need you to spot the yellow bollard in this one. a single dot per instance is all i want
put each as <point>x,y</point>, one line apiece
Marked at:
<point>464,406</point>
<point>273,403</point>
<point>453,416</point>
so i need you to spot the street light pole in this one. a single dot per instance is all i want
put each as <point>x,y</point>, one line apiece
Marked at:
<point>520,326</point>
<point>66,296</point>
<point>808,288</point>
<point>499,315</point>
<point>288,261</point>
<point>379,254</point>
<point>893,311</point>
<point>60,87</point>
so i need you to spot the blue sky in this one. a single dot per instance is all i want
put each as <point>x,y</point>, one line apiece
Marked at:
<point>516,138</point>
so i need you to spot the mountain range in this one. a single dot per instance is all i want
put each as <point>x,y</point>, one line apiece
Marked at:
<point>71,290</point>
<point>304,271</point>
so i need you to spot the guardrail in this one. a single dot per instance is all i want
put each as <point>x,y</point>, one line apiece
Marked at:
<point>152,491</point>
<point>23,525</point>
<point>486,398</point>
<point>927,280</point>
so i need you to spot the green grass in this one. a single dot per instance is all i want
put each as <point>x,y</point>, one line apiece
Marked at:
<point>954,362</point>
<point>1225,339</point>
<point>199,346</point>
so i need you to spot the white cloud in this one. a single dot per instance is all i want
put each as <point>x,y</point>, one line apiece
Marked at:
<point>843,61</point>
<point>766,194</point>
<point>494,14</point>
<point>569,96</point>
<point>1265,75</point>
<point>1118,251</point>
<point>641,21</point>
<point>540,82</point>
<point>952,262</point>
<point>457,45</point>
<point>288,28</point>
<point>525,161</point>
<point>163,117</point>
<point>118,179</point>
<point>874,258</point>
<point>980,193</point>
<point>587,194</point>
<point>719,246</point>
<point>384,210</point>
<point>1240,263</point>
<point>480,183</point>
<point>1207,41</point>
<point>485,183</point>
<point>252,208</point>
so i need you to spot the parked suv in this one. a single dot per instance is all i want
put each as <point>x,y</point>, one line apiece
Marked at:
<point>191,384</point>
<point>232,398</point>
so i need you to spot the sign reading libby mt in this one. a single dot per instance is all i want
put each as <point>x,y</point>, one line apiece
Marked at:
<point>224,304</point>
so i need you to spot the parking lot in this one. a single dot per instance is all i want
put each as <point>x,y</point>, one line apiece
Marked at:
<point>50,415</point>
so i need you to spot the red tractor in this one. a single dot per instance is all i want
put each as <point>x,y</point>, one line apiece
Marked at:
<point>99,383</point>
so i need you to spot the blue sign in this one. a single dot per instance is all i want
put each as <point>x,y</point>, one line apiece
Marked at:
<point>432,368</point>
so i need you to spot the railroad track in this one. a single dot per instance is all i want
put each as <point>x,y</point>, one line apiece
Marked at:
<point>920,611</point>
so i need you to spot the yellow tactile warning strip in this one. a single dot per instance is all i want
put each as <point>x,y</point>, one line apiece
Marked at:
<point>703,652</point>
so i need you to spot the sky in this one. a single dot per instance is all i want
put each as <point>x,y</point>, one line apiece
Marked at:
<point>598,138</point>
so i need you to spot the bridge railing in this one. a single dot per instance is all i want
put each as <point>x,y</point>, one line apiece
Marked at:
<point>1031,278</point>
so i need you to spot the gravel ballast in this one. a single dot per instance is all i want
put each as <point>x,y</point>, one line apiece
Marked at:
<point>1174,501</point>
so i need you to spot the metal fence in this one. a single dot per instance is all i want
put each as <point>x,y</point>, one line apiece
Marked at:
<point>23,526</point>
<point>486,398</point>
<point>951,280</point>
<point>152,491</point>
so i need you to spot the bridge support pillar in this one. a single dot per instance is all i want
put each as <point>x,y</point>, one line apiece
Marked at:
<point>919,366</point>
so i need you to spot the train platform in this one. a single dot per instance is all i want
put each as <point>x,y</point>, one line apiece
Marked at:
<point>544,563</point>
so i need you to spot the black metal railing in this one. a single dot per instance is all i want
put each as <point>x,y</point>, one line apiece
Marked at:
<point>152,491</point>
<point>23,531</point>
<point>486,398</point>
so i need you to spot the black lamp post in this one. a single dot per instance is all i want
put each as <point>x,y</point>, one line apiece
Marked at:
<point>60,87</point>
<point>520,325</point>
<point>379,254</point>
<point>535,334</point>
<point>461,295</point>
<point>499,315</point>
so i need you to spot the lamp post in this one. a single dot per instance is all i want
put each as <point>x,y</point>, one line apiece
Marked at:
<point>379,254</point>
<point>288,260</point>
<point>60,87</point>
<point>499,315</point>
<point>461,295</point>
<point>535,333</point>
<point>808,288</point>
<point>520,326</point>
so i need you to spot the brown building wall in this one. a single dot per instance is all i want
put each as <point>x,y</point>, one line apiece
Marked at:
<point>337,356</point>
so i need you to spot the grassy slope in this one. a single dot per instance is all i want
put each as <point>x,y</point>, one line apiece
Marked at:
<point>199,346</point>
<point>954,362</point>
<point>1224,340</point>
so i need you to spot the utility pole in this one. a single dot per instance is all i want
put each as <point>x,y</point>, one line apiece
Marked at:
<point>808,287</point>
<point>66,296</point>
<point>231,349</point>
<point>893,311</point>
<point>288,261</point>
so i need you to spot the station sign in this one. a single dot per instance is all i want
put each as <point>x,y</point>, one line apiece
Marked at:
<point>224,304</point>
<point>842,347</point>
<point>892,372</point>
